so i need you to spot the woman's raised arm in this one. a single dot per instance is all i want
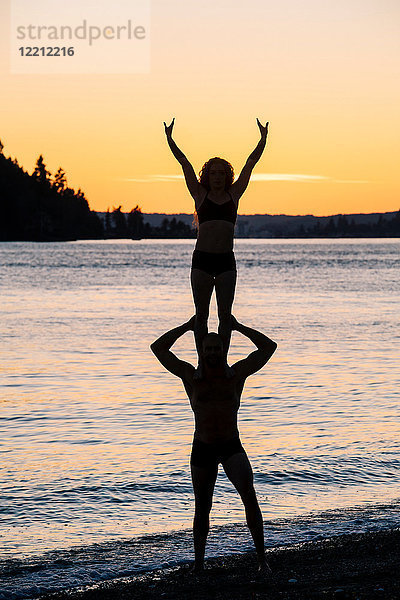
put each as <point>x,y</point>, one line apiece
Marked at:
<point>242,181</point>
<point>188,171</point>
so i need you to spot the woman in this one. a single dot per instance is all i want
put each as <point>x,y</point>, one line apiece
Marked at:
<point>216,200</point>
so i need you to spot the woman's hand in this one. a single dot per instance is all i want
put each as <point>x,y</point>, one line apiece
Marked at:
<point>263,130</point>
<point>168,128</point>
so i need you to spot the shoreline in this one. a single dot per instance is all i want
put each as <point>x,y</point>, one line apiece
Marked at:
<point>189,238</point>
<point>352,566</point>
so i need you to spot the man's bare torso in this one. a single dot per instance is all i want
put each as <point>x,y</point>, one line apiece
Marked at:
<point>215,403</point>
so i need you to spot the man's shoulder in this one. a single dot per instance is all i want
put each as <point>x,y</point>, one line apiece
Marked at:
<point>237,369</point>
<point>188,371</point>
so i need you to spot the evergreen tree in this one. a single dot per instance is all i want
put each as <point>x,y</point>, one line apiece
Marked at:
<point>33,209</point>
<point>119,221</point>
<point>60,181</point>
<point>164,226</point>
<point>135,223</point>
<point>107,224</point>
<point>41,174</point>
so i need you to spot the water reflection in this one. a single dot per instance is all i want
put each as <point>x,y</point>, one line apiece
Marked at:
<point>96,437</point>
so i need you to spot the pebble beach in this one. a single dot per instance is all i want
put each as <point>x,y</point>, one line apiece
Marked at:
<point>352,567</point>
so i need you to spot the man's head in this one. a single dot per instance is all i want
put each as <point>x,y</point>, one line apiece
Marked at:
<point>213,350</point>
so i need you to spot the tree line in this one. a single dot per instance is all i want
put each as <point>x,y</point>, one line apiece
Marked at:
<point>344,227</point>
<point>119,225</point>
<point>41,207</point>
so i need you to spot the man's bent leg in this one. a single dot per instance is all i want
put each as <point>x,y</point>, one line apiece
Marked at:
<point>238,469</point>
<point>203,479</point>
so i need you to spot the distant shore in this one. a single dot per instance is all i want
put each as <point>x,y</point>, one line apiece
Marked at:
<point>354,566</point>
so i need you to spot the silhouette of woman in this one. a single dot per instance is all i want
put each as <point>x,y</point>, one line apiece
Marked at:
<point>216,199</point>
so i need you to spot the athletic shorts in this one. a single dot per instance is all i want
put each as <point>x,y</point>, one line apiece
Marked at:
<point>210,455</point>
<point>214,263</point>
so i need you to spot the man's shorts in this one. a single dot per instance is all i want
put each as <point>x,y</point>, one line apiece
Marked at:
<point>210,455</point>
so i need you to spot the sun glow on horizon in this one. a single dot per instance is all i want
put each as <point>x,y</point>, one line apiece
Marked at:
<point>325,77</point>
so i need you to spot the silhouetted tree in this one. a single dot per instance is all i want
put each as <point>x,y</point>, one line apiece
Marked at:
<point>107,224</point>
<point>135,223</point>
<point>169,229</point>
<point>32,208</point>
<point>60,181</point>
<point>120,229</point>
<point>164,226</point>
<point>41,174</point>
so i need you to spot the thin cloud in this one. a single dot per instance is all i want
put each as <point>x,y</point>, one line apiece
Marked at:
<point>287,177</point>
<point>296,177</point>
<point>154,178</point>
<point>350,181</point>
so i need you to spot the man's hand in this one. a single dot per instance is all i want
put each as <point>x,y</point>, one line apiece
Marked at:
<point>168,128</point>
<point>263,130</point>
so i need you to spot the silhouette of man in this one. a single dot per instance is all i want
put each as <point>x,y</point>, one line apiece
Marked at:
<point>215,400</point>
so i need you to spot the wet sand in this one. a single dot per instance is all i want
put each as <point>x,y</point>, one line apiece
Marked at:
<point>351,567</point>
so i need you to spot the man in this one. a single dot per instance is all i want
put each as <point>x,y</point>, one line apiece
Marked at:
<point>215,400</point>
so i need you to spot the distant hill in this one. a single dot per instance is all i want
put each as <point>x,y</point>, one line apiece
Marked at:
<point>271,226</point>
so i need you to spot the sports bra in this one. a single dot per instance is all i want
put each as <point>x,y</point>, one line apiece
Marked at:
<point>211,211</point>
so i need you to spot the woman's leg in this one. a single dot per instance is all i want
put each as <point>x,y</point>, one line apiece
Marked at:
<point>202,288</point>
<point>225,284</point>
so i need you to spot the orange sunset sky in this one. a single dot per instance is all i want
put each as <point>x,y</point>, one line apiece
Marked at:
<point>325,74</point>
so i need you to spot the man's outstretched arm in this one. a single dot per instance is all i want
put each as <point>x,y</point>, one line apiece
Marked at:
<point>257,359</point>
<point>161,348</point>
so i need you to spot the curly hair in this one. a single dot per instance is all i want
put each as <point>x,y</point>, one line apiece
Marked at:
<point>205,172</point>
<point>204,179</point>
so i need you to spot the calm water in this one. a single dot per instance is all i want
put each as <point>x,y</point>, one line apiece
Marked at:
<point>95,435</point>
